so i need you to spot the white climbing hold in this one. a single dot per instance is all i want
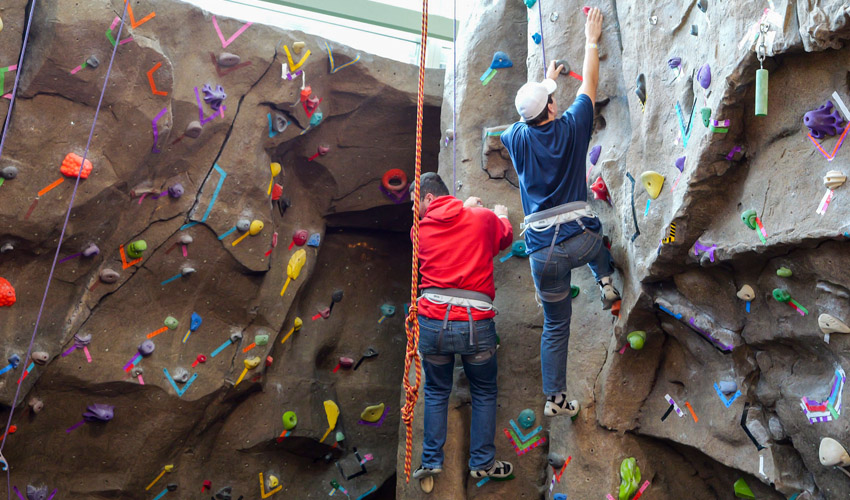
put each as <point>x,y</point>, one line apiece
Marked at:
<point>746,293</point>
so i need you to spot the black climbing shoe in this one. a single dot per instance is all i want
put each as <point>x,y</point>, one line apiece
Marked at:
<point>558,405</point>
<point>423,472</point>
<point>499,470</point>
<point>610,295</point>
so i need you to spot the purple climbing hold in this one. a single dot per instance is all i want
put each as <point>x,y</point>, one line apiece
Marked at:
<point>704,76</point>
<point>91,250</point>
<point>680,163</point>
<point>176,191</point>
<point>37,493</point>
<point>674,62</point>
<point>146,348</point>
<point>823,121</point>
<point>594,154</point>
<point>214,97</point>
<point>83,340</point>
<point>98,413</point>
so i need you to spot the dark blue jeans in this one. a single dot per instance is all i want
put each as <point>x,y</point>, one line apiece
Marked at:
<point>552,282</point>
<point>438,363</point>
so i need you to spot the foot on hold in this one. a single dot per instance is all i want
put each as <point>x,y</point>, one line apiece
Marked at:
<point>423,472</point>
<point>610,295</point>
<point>499,470</point>
<point>558,405</point>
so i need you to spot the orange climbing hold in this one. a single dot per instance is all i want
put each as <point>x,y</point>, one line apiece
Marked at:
<point>71,166</point>
<point>7,293</point>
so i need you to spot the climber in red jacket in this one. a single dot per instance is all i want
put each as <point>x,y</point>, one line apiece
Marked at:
<point>457,244</point>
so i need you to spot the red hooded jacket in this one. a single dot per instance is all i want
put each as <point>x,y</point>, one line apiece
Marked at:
<point>456,250</point>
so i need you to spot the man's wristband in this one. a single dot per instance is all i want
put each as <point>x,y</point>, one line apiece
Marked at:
<point>592,46</point>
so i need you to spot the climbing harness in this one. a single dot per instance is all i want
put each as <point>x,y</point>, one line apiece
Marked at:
<point>557,216</point>
<point>411,355</point>
<point>467,299</point>
<point>67,214</point>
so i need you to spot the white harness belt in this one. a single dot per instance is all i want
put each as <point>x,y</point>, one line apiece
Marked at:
<point>467,299</point>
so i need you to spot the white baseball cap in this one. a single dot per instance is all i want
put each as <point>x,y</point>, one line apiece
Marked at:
<point>532,98</point>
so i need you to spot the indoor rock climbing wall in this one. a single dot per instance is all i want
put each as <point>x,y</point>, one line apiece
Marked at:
<point>165,318</point>
<point>684,258</point>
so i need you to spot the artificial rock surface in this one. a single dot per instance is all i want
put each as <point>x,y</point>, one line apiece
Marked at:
<point>777,356</point>
<point>211,430</point>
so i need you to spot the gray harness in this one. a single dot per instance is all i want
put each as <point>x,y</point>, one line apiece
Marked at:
<point>556,216</point>
<point>467,299</point>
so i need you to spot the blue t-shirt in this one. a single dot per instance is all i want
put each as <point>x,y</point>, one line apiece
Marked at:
<point>550,163</point>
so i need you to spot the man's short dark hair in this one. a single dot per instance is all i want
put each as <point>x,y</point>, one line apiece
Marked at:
<point>430,182</point>
<point>537,120</point>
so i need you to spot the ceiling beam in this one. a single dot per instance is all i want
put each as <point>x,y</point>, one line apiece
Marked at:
<point>379,14</point>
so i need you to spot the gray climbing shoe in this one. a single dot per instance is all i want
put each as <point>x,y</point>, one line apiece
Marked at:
<point>558,405</point>
<point>499,470</point>
<point>423,472</point>
<point>610,295</point>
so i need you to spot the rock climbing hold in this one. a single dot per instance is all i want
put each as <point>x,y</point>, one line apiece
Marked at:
<point>372,413</point>
<point>387,311</point>
<point>680,163</point>
<point>742,489</point>
<point>108,276</point>
<point>346,362</point>
<point>556,461</point>
<point>394,180</point>
<point>136,371</point>
<point>834,179</point>
<point>180,375</point>
<point>694,30</point>
<point>629,478</point>
<point>136,248</point>
<point>171,486</point>
<point>528,3</point>
<point>92,61</point>
<point>73,166</point>
<point>277,191</point>
<point>314,240</point>
<point>176,191</point>
<point>566,66</point>
<point>185,239</point>
<point>702,5</point>
<point>225,493</point>
<point>553,17</point>
<point>674,62</point>
<point>653,20</point>
<point>261,339</point>
<point>640,89</point>
<point>594,154</point>
<point>728,386</point>
<point>171,322</point>
<point>823,121</point>
<point>253,230</point>
<point>243,225</point>
<point>831,453</point>
<point>207,485</point>
<point>746,293</point>
<point>830,324</point>
<point>40,357</point>
<point>536,38</point>
<point>39,493</point>
<point>637,339</point>
<point>36,404</point>
<point>290,420</point>
<point>704,76</point>
<point>99,412</point>
<point>7,247</point>
<point>299,238</point>
<point>146,348</point>
<point>297,47</point>
<point>339,437</point>
<point>783,272</point>
<point>226,59</point>
<point>574,291</point>
<point>252,363</point>
<point>214,97</point>
<point>91,251</point>
<point>273,481</point>
<point>652,182</point>
<point>369,353</point>
<point>193,129</point>
<point>781,295</point>
<point>9,172</point>
<point>706,116</point>
<point>7,293</point>
<point>235,337</point>
<point>600,190</point>
<point>1,19</point>
<point>14,360</point>
<point>293,267</point>
<point>279,122</point>
<point>526,418</point>
<point>749,218</point>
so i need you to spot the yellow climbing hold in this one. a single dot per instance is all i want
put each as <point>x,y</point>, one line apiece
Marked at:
<point>293,268</point>
<point>652,182</point>
<point>252,363</point>
<point>273,481</point>
<point>372,413</point>
<point>1,24</point>
<point>332,412</point>
<point>297,47</point>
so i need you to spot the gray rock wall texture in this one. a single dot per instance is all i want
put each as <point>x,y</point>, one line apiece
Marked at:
<point>777,356</point>
<point>211,428</point>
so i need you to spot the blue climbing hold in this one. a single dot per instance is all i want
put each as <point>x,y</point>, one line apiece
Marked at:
<point>501,60</point>
<point>560,496</point>
<point>537,38</point>
<point>314,240</point>
<point>195,322</point>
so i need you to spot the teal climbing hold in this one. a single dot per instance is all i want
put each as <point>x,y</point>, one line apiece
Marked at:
<point>530,3</point>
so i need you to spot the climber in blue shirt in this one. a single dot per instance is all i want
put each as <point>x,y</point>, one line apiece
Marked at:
<point>561,232</point>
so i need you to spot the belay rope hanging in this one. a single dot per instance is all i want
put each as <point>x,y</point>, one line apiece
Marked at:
<point>411,356</point>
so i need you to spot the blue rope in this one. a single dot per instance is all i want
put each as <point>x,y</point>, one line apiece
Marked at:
<point>454,99</point>
<point>542,41</point>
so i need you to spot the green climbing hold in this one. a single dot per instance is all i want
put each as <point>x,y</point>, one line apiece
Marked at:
<point>781,295</point>
<point>749,218</point>
<point>783,272</point>
<point>339,437</point>
<point>171,322</point>
<point>290,420</point>
<point>706,116</point>
<point>629,478</point>
<point>636,339</point>
<point>574,291</point>
<point>742,489</point>
<point>135,249</point>
<point>372,413</point>
<point>261,339</point>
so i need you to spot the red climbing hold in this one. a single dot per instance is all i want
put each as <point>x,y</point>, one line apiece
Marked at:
<point>7,293</point>
<point>277,192</point>
<point>600,190</point>
<point>394,180</point>
<point>71,166</point>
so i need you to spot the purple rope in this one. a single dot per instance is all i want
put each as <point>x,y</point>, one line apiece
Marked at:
<point>64,226</point>
<point>542,42</point>
<point>454,99</point>
<point>15,87</point>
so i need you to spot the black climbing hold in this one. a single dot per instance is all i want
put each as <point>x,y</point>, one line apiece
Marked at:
<point>556,460</point>
<point>640,88</point>
<point>702,5</point>
<point>171,486</point>
<point>565,64</point>
<point>694,30</point>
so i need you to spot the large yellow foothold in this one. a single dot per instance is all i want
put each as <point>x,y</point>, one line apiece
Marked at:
<point>297,47</point>
<point>332,412</point>
<point>273,481</point>
<point>652,182</point>
<point>372,413</point>
<point>293,268</point>
<point>252,363</point>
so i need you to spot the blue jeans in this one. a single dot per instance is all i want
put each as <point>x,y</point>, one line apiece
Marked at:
<point>479,364</point>
<point>552,282</point>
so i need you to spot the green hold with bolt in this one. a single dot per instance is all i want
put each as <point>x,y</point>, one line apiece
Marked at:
<point>136,248</point>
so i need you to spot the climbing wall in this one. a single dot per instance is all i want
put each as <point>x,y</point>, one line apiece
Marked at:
<point>236,192</point>
<point>735,386</point>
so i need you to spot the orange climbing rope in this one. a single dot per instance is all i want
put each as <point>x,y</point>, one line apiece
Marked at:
<point>411,356</point>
